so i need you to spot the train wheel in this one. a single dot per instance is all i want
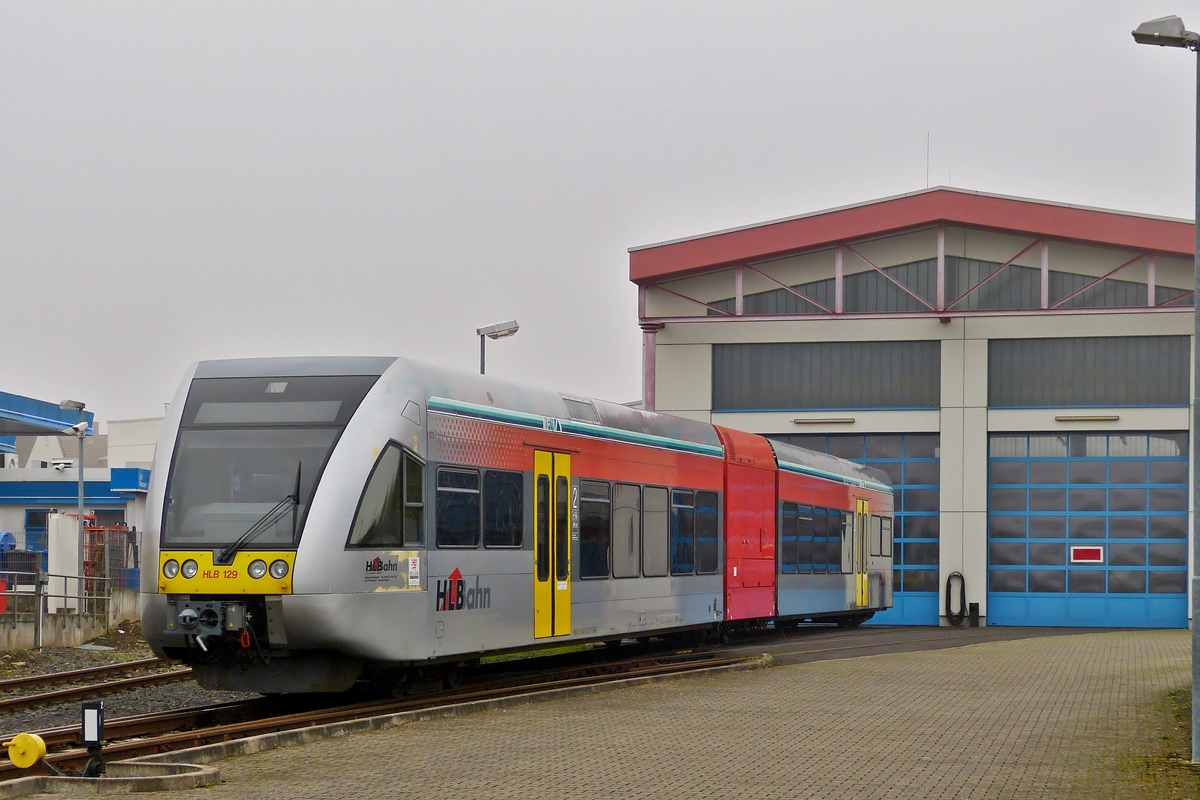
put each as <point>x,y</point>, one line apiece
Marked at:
<point>455,675</point>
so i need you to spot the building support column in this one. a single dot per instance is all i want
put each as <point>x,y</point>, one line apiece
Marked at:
<point>738,296</point>
<point>1151,280</point>
<point>1045,274</point>
<point>649,336</point>
<point>941,267</point>
<point>837,280</point>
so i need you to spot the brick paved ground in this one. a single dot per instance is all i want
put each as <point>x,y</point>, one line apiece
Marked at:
<point>1053,717</point>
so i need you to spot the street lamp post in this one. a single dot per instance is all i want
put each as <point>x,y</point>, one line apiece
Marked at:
<point>501,330</point>
<point>1170,32</point>
<point>78,431</point>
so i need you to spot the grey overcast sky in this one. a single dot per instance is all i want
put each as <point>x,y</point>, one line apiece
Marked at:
<point>184,181</point>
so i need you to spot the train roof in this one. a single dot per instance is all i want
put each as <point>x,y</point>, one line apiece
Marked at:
<point>488,397</point>
<point>492,398</point>
<point>822,465</point>
<point>301,366</point>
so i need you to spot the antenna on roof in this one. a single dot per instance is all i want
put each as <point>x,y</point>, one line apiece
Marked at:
<point>926,159</point>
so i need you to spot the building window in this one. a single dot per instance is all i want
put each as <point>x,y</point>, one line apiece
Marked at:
<point>791,376</point>
<point>1095,371</point>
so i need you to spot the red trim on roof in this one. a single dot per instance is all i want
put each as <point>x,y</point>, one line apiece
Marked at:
<point>1006,214</point>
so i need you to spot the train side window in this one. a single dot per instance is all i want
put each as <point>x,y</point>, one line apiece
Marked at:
<point>707,551</point>
<point>390,509</point>
<point>820,526</point>
<point>503,509</point>
<point>655,527</point>
<point>789,519</point>
<point>876,535</point>
<point>835,532</point>
<point>627,531</point>
<point>457,507</point>
<point>887,537</point>
<point>804,539</point>
<point>543,528</point>
<point>683,532</point>
<point>595,528</point>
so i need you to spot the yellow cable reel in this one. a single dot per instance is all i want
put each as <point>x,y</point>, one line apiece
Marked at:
<point>26,749</point>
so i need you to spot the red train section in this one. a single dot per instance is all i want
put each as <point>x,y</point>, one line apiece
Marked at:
<point>750,481</point>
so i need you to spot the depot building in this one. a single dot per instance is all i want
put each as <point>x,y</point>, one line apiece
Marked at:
<point>1020,368</point>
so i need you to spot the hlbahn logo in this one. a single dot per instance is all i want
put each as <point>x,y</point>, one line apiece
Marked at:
<point>452,594</point>
<point>380,570</point>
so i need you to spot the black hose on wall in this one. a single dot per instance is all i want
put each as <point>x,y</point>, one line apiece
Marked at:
<point>956,619</point>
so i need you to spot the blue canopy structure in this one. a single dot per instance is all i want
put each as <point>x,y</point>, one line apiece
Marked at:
<point>25,416</point>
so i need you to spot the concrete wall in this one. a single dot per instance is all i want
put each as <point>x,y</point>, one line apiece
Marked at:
<point>131,442</point>
<point>64,629</point>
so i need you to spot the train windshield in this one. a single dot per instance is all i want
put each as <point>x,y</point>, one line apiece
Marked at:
<point>245,445</point>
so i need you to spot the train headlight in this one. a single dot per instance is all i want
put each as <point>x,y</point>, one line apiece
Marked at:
<point>257,568</point>
<point>279,569</point>
<point>170,569</point>
<point>189,569</point>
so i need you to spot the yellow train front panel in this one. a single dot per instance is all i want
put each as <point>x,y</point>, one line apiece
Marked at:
<point>235,578</point>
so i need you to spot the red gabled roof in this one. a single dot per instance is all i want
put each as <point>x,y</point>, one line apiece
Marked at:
<point>906,212</point>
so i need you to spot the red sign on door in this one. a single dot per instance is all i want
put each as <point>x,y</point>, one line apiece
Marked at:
<point>1089,554</point>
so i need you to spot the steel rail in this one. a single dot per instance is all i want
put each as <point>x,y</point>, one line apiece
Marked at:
<point>76,674</point>
<point>20,702</point>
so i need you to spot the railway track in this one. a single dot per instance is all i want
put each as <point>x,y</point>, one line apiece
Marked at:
<point>130,737</point>
<point>89,688</point>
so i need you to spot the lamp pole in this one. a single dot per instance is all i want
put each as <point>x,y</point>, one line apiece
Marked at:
<point>1170,32</point>
<point>501,330</point>
<point>80,430</point>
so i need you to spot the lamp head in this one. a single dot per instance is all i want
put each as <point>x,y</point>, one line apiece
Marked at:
<point>1166,32</point>
<point>500,330</point>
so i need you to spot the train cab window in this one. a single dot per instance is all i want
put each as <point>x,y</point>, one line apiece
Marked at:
<point>683,532</point>
<point>707,550</point>
<point>390,511</point>
<point>820,526</point>
<point>804,539</point>
<point>457,507</point>
<point>789,518</point>
<point>503,509</point>
<point>627,531</point>
<point>835,533</point>
<point>655,528</point>
<point>876,535</point>
<point>886,536</point>
<point>595,528</point>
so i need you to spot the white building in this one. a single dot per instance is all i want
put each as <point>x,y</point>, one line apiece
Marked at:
<point>1020,368</point>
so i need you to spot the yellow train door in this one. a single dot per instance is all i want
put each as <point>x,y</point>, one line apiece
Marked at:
<point>552,514</point>
<point>862,589</point>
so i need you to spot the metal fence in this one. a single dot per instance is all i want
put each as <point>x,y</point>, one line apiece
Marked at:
<point>29,593</point>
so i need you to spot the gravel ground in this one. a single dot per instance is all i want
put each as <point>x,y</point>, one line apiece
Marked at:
<point>125,639</point>
<point>141,701</point>
<point>128,645</point>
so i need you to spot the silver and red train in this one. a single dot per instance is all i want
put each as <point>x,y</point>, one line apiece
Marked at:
<point>316,521</point>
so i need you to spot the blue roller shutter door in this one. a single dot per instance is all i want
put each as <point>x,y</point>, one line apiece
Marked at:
<point>1088,530</point>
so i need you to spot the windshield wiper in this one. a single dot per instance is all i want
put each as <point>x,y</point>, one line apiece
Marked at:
<point>290,502</point>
